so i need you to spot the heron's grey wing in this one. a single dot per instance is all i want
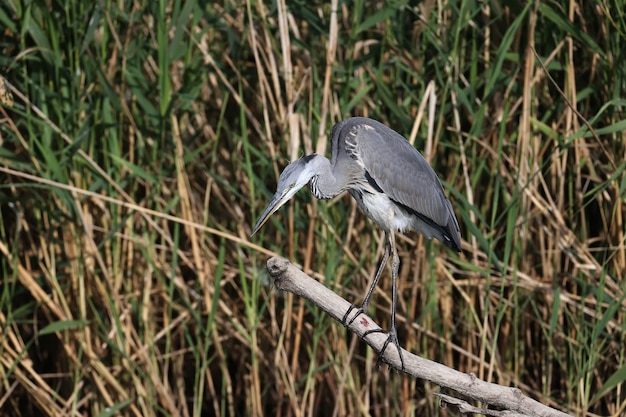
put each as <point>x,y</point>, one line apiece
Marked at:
<point>401,172</point>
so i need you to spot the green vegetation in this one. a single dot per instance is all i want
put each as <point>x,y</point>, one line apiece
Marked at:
<point>141,140</point>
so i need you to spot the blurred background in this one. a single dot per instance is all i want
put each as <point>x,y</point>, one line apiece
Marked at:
<point>141,140</point>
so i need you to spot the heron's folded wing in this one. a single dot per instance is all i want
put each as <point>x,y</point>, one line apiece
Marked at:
<point>401,172</point>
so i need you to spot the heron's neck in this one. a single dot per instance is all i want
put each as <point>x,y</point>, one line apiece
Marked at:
<point>326,184</point>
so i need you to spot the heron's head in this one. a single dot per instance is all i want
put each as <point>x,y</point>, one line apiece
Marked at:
<point>295,176</point>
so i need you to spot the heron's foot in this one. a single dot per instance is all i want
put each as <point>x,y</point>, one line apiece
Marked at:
<point>359,311</point>
<point>391,337</point>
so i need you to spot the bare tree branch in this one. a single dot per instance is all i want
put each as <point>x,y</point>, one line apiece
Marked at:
<point>288,277</point>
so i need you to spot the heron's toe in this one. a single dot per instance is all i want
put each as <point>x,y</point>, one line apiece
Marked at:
<point>359,311</point>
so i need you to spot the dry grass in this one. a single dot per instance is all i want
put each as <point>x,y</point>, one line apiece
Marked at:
<point>140,145</point>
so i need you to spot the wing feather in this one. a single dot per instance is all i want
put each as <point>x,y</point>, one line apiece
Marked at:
<point>400,171</point>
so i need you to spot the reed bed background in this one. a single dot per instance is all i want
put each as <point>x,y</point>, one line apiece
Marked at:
<point>141,140</point>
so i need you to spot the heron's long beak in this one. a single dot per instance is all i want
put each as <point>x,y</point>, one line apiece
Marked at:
<point>279,199</point>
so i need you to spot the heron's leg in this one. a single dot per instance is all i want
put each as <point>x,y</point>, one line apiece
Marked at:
<point>395,265</point>
<point>370,291</point>
<point>379,272</point>
<point>393,336</point>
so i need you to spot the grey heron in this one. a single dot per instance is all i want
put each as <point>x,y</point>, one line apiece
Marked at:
<point>392,183</point>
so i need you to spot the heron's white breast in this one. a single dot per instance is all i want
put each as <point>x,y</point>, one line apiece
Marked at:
<point>385,212</point>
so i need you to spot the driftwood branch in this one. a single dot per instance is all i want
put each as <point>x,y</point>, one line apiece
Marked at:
<point>288,277</point>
